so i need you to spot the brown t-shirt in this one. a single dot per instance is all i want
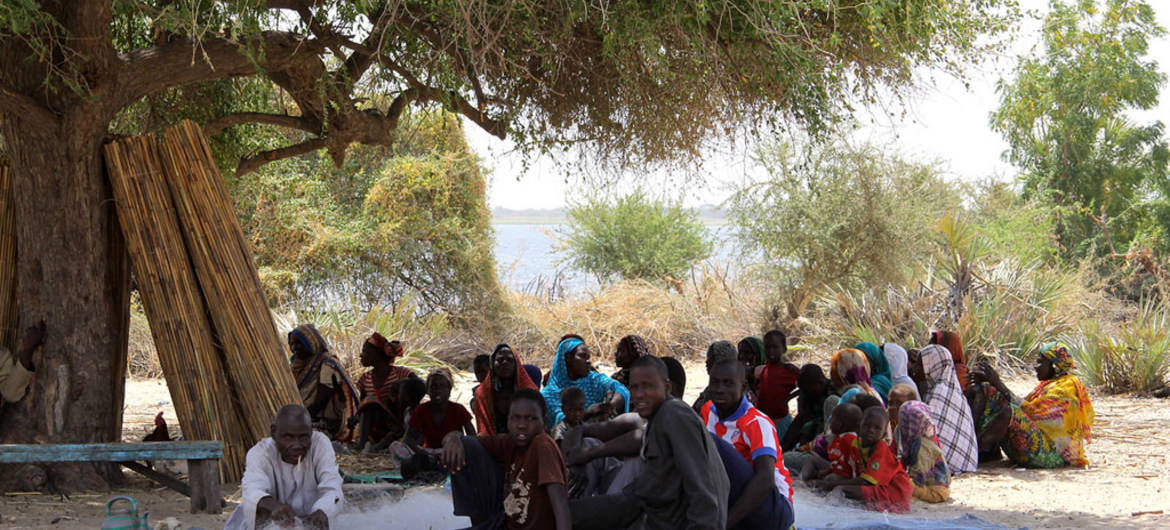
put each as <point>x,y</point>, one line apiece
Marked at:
<point>527,472</point>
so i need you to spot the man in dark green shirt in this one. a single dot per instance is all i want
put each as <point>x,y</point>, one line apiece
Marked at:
<point>683,483</point>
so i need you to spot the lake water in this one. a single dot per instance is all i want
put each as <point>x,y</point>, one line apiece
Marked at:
<point>527,257</point>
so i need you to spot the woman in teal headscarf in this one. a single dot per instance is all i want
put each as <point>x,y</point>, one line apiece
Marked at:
<point>879,368</point>
<point>571,368</point>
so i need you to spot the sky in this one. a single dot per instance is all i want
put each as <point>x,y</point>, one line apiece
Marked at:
<point>942,120</point>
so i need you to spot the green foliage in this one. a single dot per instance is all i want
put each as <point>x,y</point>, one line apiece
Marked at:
<point>1134,358</point>
<point>1065,119</point>
<point>636,81</point>
<point>838,214</point>
<point>384,226</point>
<point>634,237</point>
<point>1021,229</point>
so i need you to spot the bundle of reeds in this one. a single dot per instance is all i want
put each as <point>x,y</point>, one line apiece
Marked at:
<point>7,259</point>
<point>193,366</point>
<point>257,368</point>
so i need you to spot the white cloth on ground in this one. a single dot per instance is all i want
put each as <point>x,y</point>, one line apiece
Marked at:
<point>314,484</point>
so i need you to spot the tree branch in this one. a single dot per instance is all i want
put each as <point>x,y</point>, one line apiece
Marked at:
<point>279,120</point>
<point>183,61</point>
<point>252,163</point>
<point>13,102</point>
<point>450,100</point>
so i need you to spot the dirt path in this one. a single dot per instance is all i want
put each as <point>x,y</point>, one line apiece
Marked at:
<point>1130,454</point>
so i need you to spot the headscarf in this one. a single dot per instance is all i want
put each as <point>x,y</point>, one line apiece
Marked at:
<point>879,368</point>
<point>306,372</point>
<point>1061,408</point>
<point>392,348</point>
<point>851,367</point>
<point>954,344</point>
<point>853,392</point>
<point>920,455</point>
<point>485,393</point>
<point>898,359</point>
<point>533,373</point>
<point>595,385</point>
<point>952,414</point>
<point>757,345</point>
<point>1057,354</point>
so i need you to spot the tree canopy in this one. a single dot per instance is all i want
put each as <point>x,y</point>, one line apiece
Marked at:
<point>1067,118</point>
<point>636,81</point>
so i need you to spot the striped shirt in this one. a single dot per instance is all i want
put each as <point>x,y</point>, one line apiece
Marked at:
<point>753,435</point>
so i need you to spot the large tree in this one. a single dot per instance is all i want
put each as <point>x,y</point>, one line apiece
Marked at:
<point>1067,118</point>
<point>636,80</point>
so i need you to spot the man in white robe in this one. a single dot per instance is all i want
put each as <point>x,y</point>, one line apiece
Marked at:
<point>289,477</point>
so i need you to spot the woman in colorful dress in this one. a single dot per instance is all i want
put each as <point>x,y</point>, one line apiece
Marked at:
<point>1047,428</point>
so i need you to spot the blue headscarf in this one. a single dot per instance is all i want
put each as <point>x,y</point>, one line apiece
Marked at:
<point>595,385</point>
<point>879,368</point>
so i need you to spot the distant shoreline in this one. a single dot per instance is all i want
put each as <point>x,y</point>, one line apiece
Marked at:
<point>556,221</point>
<point>708,214</point>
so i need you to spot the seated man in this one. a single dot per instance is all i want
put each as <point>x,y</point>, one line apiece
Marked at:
<point>761,490</point>
<point>605,457</point>
<point>292,475</point>
<point>513,481</point>
<point>683,483</point>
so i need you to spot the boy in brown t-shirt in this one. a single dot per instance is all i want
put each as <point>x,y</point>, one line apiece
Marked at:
<point>515,480</point>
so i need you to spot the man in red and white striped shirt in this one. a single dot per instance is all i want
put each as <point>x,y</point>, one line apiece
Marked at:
<point>761,490</point>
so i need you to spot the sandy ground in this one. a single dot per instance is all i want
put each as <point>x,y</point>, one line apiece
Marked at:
<point>1129,456</point>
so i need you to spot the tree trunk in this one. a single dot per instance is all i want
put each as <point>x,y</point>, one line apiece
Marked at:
<point>72,274</point>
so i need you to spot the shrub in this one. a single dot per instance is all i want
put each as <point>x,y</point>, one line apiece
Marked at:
<point>837,214</point>
<point>1136,357</point>
<point>635,237</point>
<point>386,225</point>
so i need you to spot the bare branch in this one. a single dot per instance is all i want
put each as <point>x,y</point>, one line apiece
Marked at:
<point>252,163</point>
<point>279,120</point>
<point>450,100</point>
<point>182,62</point>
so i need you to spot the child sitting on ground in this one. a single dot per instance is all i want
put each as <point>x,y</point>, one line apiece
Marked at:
<point>843,431</point>
<point>882,482</point>
<point>573,405</point>
<point>810,407</point>
<point>901,393</point>
<point>430,421</point>
<point>409,392</point>
<point>920,454</point>
<point>777,382</point>
<point>514,480</point>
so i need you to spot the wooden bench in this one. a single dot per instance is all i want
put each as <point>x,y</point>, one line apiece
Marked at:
<point>202,463</point>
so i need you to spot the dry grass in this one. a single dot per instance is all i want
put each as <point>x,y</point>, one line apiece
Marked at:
<point>679,320</point>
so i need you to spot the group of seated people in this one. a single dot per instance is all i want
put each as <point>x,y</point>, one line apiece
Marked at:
<point>580,449</point>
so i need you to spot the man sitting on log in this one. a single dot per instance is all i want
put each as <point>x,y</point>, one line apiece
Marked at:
<point>289,477</point>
